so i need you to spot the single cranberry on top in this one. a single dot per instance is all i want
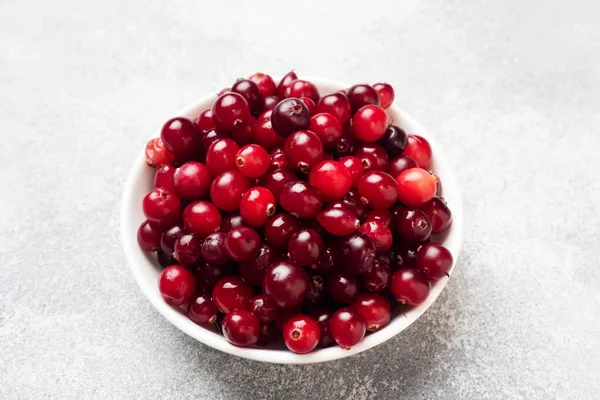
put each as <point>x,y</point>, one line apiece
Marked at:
<point>289,116</point>
<point>230,111</point>
<point>256,206</point>
<point>161,207</point>
<point>201,217</point>
<point>176,285</point>
<point>369,123</point>
<point>304,149</point>
<point>181,138</point>
<point>265,83</point>
<point>252,160</point>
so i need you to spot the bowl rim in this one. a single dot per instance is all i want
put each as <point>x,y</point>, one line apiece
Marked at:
<point>134,256</point>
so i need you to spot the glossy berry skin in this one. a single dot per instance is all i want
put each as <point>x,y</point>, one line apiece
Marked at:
<point>347,327</point>
<point>337,105</point>
<point>276,180</point>
<point>383,215</point>
<point>373,157</point>
<point>378,277</point>
<point>157,154</point>
<point>419,149</point>
<point>339,221</point>
<point>209,137</point>
<point>201,309</point>
<point>362,95</point>
<point>355,253</point>
<point>280,228</point>
<point>232,293</point>
<point>265,83</point>
<point>227,188</point>
<point>331,179</point>
<point>404,254</point>
<point>207,275</point>
<point>241,328</point>
<point>415,187</point>
<point>323,316</point>
<point>289,116</point>
<point>263,133</point>
<point>269,103</point>
<point>354,199</point>
<point>305,246</point>
<point>410,286</point>
<point>221,156</point>
<point>148,236</point>
<point>374,309</point>
<point>165,177</point>
<point>254,269</point>
<point>369,123</point>
<point>380,234</point>
<point>326,263</point>
<point>378,189</point>
<point>300,199</point>
<point>287,283</point>
<point>244,134</point>
<point>394,140</point>
<point>386,94</point>
<point>301,88</point>
<point>280,161</point>
<point>252,160</point>
<point>345,147</point>
<point>192,181</point>
<point>201,217</point>
<point>328,129</point>
<point>413,225</point>
<point>256,206</point>
<point>304,149</point>
<point>231,221</point>
<point>435,260</point>
<point>354,166</point>
<point>342,287</point>
<point>301,334</point>
<point>438,213</point>
<point>187,248</point>
<point>242,244</point>
<point>312,107</point>
<point>161,207</point>
<point>176,285</point>
<point>180,137</point>
<point>230,111</point>
<point>250,91</point>
<point>170,236</point>
<point>205,122</point>
<point>316,294</point>
<point>264,308</point>
<point>284,83</point>
<point>400,164</point>
<point>213,249</point>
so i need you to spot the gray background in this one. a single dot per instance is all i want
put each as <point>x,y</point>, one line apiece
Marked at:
<point>510,89</point>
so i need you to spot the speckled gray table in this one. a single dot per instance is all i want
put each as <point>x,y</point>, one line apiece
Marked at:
<point>510,88</point>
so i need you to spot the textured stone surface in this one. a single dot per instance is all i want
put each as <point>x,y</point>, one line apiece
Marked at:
<point>509,87</point>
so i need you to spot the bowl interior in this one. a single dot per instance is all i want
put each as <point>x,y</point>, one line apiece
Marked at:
<point>146,269</point>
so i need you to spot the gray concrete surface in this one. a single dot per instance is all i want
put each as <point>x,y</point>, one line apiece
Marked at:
<point>510,88</point>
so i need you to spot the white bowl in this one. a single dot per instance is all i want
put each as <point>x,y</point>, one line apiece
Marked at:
<point>146,270</point>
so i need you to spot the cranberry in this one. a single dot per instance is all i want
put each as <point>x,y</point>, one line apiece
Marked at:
<point>253,270</point>
<point>345,147</point>
<point>280,161</point>
<point>161,207</point>
<point>221,155</point>
<point>268,334</point>
<point>404,254</point>
<point>207,275</point>
<point>187,248</point>
<point>301,334</point>
<point>400,164</point>
<point>284,83</point>
<point>257,205</point>
<point>276,180</point>
<point>230,110</point>
<point>374,309</point>
<point>170,236</point>
<point>378,189</point>
<point>205,122</point>
<point>354,200</point>
<point>337,105</point>
<point>244,134</point>
<point>284,314</point>
<point>419,149</point>
<point>232,293</point>
<point>338,221</point>
<point>372,157</point>
<point>304,149</point>
<point>326,263</point>
<point>354,166</point>
<point>264,134</point>
<point>305,247</point>
<point>165,259</point>
<point>289,116</point>
<point>279,229</point>
<point>410,286</point>
<point>287,283</point>
<point>180,137</point>
<point>331,179</point>
<point>342,287</point>
<point>435,260</point>
<point>312,107</point>
<point>413,225</point>
<point>226,190</point>
<point>269,103</point>
<point>323,316</point>
<point>369,123</point>
<point>213,249</point>
<point>242,244</point>
<point>362,95</point>
<point>328,128</point>
<point>250,91</point>
<point>384,216</point>
<point>394,140</point>
<point>438,213</point>
<point>379,234</point>
<point>201,217</point>
<point>148,236</point>
<point>415,187</point>
<point>347,327</point>
<point>265,83</point>
<point>192,180</point>
<point>231,221</point>
<point>378,277</point>
<point>241,328</point>
<point>157,154</point>
<point>176,285</point>
<point>252,160</point>
<point>438,183</point>
<point>264,308</point>
<point>355,253</point>
<point>301,199</point>
<point>301,88</point>
<point>165,178</point>
<point>316,290</point>
<point>386,94</point>
<point>223,91</point>
<point>209,137</point>
<point>201,309</point>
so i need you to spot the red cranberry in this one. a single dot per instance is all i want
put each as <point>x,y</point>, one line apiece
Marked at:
<point>157,154</point>
<point>347,327</point>
<point>253,270</point>
<point>187,248</point>
<point>242,244</point>
<point>378,277</point>
<point>394,140</point>
<point>374,309</point>
<point>209,137</point>
<point>165,178</point>
<point>362,95</point>
<point>180,137</point>
<point>207,275</point>
<point>316,290</point>
<point>192,180</point>
<point>301,334</point>
<point>354,166</point>
<point>268,334</point>
<point>305,247</point>
<point>372,157</point>
<point>410,286</point>
<point>300,88</point>
<point>250,91</point>
<point>265,83</point>
<point>331,179</point>
<point>312,107</point>
<point>379,234</point>
<point>264,308</point>
<point>338,221</point>
<point>413,225</point>
<point>148,236</point>
<point>256,206</point>
<point>419,149</point>
<point>202,310</point>
<point>213,249</point>
<point>205,122</point>
<point>241,328</point>
<point>264,134</point>
<point>345,147</point>
<point>384,216</point>
<point>244,134</point>
<point>276,180</point>
<point>435,260</point>
<point>201,217</point>
<point>170,236</point>
<point>280,161</point>
<point>337,105</point>
<point>231,221</point>
<point>323,316</point>
<point>289,116</point>
<point>326,263</point>
<point>355,253</point>
<point>252,160</point>
<point>279,229</point>
<point>415,187</point>
<point>269,103</point>
<point>232,293</point>
<point>438,213</point>
<point>386,94</point>
<point>161,207</point>
<point>230,111</point>
<point>342,287</point>
<point>221,156</point>
<point>226,190</point>
<point>400,164</point>
<point>287,283</point>
<point>369,123</point>
<point>304,149</point>
<point>328,128</point>
<point>378,189</point>
<point>301,199</point>
<point>176,285</point>
<point>354,200</point>
<point>284,83</point>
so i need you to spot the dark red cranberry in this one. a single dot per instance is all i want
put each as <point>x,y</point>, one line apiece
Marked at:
<point>312,107</point>
<point>378,277</point>
<point>339,221</point>
<point>276,180</point>
<point>241,328</point>
<point>221,156</point>
<point>400,164</point>
<point>205,122</point>
<point>413,225</point>
<point>362,95</point>
<point>347,327</point>
<point>209,137</point>
<point>242,244</point>
<point>301,334</point>
<point>394,140</point>
<point>148,236</point>
<point>305,246</point>
<point>201,217</point>
<point>284,314</point>
<point>207,275</point>
<point>157,154</point>
<point>328,129</point>
<point>438,213</point>
<point>264,134</point>
<point>232,293</point>
<point>253,270</point>
<point>435,260</point>
<point>372,157</point>
<point>337,105</point>
<point>269,103</point>
<point>369,123</point>
<point>226,190</point>
<point>304,149</point>
<point>386,94</point>
<point>279,229</point>
<point>404,255</point>
<point>187,248</point>
<point>301,199</point>
<point>374,309</point>
<point>268,334</point>
<point>230,111</point>
<point>213,249</point>
<point>379,234</point>
<point>284,83</point>
<point>410,286</point>
<point>326,263</point>
<point>342,287</point>
<point>250,91</point>
<point>353,199</point>
<point>165,178</point>
<point>378,189</point>
<point>192,181</point>
<point>280,161</point>
<point>384,216</point>
<point>301,88</point>
<point>316,294</point>
<point>231,221</point>
<point>170,236</point>
<point>265,83</point>
<point>345,147</point>
<point>176,285</point>
<point>161,207</point>
<point>354,166</point>
<point>165,259</point>
<point>419,149</point>
<point>181,138</point>
<point>201,309</point>
<point>355,253</point>
<point>323,316</point>
<point>252,160</point>
<point>289,116</point>
<point>264,308</point>
<point>415,187</point>
<point>244,134</point>
<point>331,179</point>
<point>287,283</point>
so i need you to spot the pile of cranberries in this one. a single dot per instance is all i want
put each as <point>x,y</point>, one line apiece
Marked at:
<point>281,213</point>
